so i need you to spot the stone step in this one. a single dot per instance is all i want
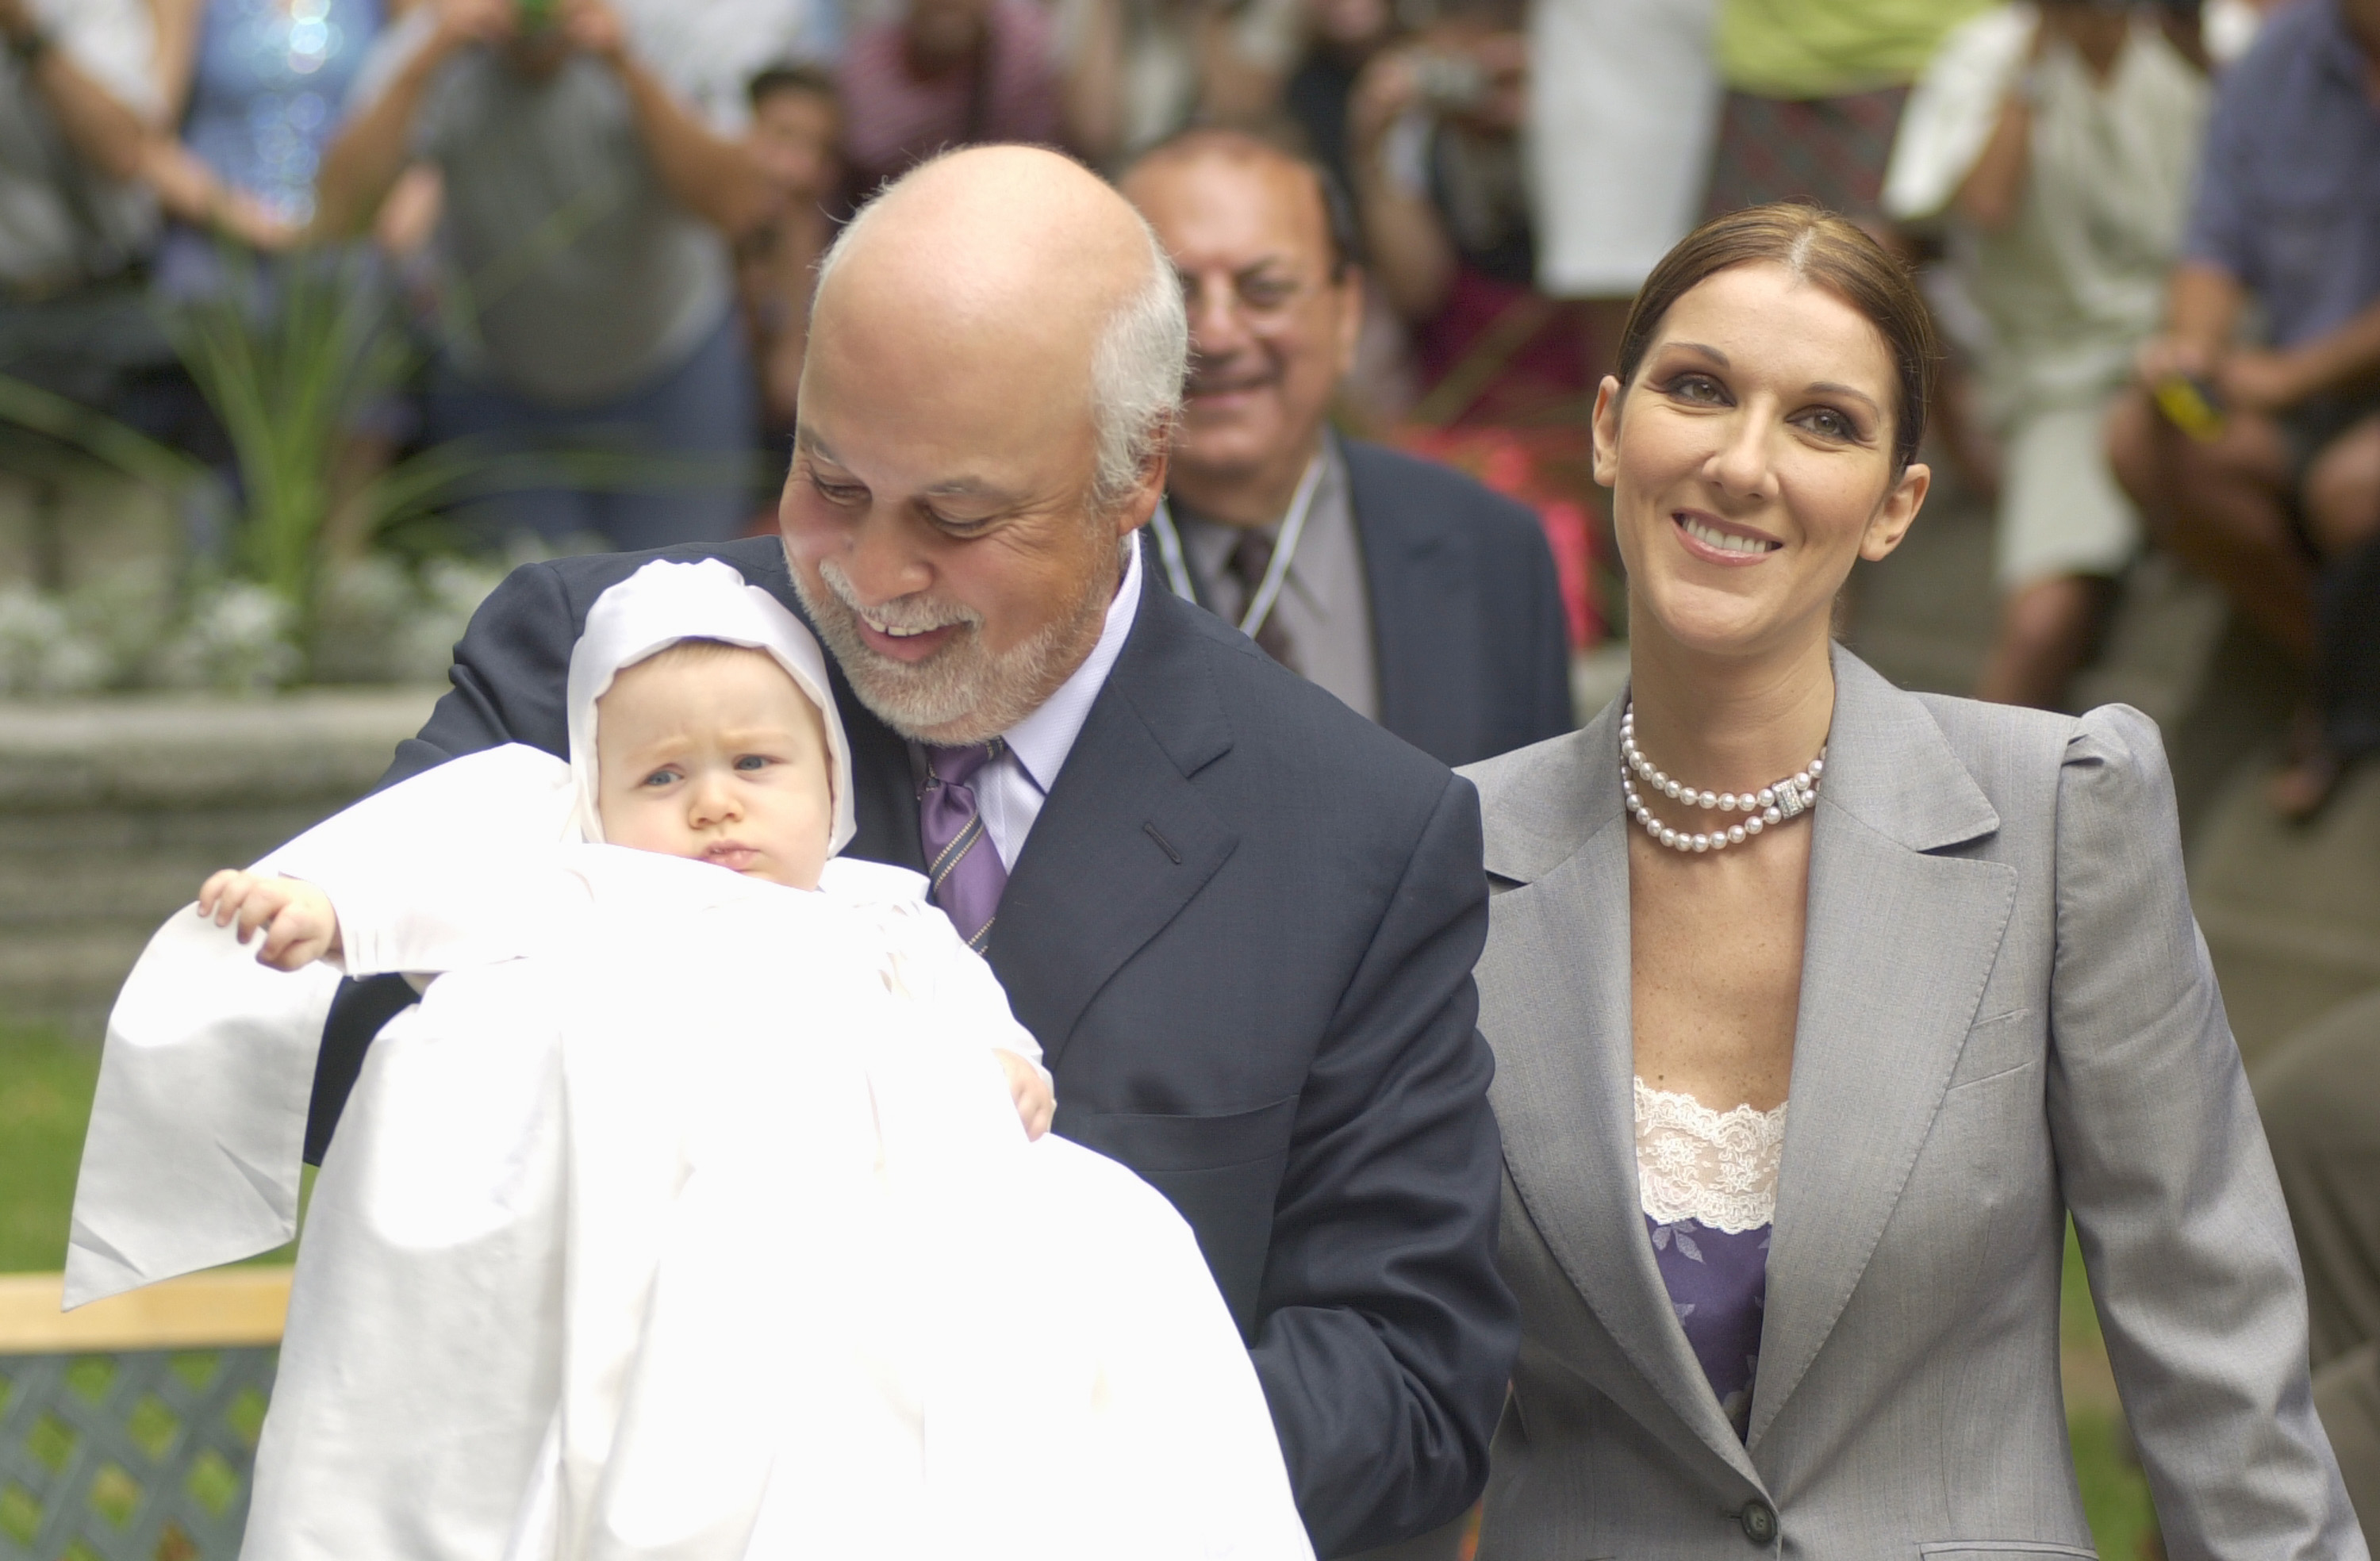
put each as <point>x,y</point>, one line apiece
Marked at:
<point>112,812</point>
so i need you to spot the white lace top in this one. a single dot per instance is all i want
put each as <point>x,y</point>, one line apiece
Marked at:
<point>1716,1167</point>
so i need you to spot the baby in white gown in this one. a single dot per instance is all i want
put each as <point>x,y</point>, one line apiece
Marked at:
<point>687,1215</point>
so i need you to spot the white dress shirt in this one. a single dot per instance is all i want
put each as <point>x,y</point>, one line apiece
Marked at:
<point>1010,789</point>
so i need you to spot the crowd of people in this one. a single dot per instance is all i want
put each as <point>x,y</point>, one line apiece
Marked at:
<point>603,218</point>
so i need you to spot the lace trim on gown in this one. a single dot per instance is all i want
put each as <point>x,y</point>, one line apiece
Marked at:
<point>1716,1167</point>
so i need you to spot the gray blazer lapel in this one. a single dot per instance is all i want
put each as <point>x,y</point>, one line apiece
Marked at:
<point>1554,986</point>
<point>1899,943</point>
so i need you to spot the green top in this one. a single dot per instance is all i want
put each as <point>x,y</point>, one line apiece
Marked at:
<point>1828,48</point>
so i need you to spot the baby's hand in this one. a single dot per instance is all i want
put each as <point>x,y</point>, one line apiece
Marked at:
<point>300,924</point>
<point>1034,1104</point>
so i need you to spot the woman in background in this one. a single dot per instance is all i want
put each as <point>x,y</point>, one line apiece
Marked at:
<point>2059,141</point>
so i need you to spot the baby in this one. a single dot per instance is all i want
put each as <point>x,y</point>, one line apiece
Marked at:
<point>705,750</point>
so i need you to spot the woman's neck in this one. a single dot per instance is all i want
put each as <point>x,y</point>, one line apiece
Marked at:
<point>1735,722</point>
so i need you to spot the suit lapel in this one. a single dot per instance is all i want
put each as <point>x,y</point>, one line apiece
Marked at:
<point>1124,839</point>
<point>1899,942</point>
<point>1418,580</point>
<point>885,791</point>
<point>1565,1036</point>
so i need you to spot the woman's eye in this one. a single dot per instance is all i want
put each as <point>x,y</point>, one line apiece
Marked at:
<point>1698,388</point>
<point>1830,424</point>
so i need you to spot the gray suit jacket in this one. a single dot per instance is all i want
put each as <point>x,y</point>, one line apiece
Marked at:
<point>2006,1013</point>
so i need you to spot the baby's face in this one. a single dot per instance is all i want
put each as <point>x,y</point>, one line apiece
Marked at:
<point>715,755</point>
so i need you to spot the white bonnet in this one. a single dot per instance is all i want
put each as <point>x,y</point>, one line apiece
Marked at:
<point>663,603</point>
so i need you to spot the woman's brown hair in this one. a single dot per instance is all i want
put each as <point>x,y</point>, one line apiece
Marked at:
<point>1818,247</point>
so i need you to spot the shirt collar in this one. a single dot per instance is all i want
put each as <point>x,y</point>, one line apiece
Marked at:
<point>1042,739</point>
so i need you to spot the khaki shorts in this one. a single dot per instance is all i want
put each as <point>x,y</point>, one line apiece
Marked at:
<point>2060,510</point>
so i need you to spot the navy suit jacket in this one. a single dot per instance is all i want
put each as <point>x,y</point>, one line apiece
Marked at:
<point>1468,632</point>
<point>1243,930</point>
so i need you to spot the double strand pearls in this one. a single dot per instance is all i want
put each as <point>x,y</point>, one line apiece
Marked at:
<point>1769,805</point>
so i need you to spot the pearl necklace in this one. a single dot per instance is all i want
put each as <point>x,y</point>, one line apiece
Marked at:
<point>1769,805</point>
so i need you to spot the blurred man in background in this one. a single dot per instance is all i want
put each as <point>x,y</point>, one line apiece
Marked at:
<point>796,128</point>
<point>78,87</point>
<point>944,74</point>
<point>2260,464</point>
<point>589,294</point>
<point>1417,596</point>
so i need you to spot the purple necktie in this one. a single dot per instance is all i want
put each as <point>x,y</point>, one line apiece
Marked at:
<point>962,860</point>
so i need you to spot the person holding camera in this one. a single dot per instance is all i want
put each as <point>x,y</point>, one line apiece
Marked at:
<point>1434,148</point>
<point>2259,463</point>
<point>2055,143</point>
<point>589,292</point>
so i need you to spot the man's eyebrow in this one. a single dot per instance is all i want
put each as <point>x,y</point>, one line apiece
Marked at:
<point>964,488</point>
<point>806,439</point>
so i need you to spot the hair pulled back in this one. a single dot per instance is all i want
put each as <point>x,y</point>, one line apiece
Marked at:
<point>1817,246</point>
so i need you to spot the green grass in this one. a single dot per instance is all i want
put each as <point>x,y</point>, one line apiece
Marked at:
<point>2115,1496</point>
<point>45,1088</point>
<point>46,1083</point>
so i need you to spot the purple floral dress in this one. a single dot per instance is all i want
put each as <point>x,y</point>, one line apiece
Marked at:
<point>1707,1184</point>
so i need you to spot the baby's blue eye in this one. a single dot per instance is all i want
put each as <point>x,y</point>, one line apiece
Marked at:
<point>660,778</point>
<point>752,761</point>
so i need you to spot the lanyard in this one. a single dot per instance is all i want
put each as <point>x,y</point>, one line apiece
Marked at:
<point>1292,531</point>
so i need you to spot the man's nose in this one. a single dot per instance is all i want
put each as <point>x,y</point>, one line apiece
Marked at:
<point>883,560</point>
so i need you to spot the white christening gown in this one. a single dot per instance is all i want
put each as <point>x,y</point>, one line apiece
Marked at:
<point>695,1222</point>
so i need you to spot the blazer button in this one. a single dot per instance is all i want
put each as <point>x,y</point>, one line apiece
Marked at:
<point>1759,1520</point>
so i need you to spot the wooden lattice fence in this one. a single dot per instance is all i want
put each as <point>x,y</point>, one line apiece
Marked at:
<point>129,1428</point>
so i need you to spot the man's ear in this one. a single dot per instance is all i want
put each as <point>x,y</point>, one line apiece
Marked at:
<point>1150,491</point>
<point>1898,512</point>
<point>1351,317</point>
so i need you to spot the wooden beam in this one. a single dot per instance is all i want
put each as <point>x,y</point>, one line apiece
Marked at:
<point>223,1308</point>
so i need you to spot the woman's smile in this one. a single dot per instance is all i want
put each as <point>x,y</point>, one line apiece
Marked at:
<point>1718,541</point>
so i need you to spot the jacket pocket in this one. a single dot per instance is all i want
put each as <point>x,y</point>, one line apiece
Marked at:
<point>2002,1550</point>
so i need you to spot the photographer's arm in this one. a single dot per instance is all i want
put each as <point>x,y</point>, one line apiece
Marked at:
<point>1409,249</point>
<point>712,176</point>
<point>100,128</point>
<point>377,145</point>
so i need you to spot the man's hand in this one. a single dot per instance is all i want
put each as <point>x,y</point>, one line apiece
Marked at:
<point>594,28</point>
<point>298,923</point>
<point>1029,1090</point>
<point>2161,357</point>
<point>1388,88</point>
<point>473,21</point>
<point>2258,380</point>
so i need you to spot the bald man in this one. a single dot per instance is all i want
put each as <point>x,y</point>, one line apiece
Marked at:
<point>1240,918</point>
<point>1417,596</point>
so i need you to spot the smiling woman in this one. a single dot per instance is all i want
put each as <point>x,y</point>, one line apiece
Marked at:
<point>1836,1327</point>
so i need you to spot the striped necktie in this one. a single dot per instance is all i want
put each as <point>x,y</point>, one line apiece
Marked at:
<point>961,859</point>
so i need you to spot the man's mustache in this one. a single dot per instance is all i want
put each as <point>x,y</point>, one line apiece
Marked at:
<point>911,614</point>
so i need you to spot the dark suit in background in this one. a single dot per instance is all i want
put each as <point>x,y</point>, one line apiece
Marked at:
<point>1473,647</point>
<point>1243,930</point>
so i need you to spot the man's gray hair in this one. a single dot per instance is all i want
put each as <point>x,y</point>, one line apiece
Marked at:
<point>1137,365</point>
